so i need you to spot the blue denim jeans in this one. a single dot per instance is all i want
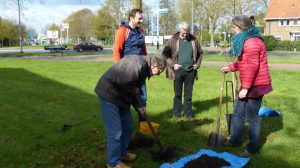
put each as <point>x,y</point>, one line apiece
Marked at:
<point>144,99</point>
<point>183,79</point>
<point>118,127</point>
<point>246,110</point>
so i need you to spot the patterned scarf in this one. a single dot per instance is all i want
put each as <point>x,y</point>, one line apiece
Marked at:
<point>238,40</point>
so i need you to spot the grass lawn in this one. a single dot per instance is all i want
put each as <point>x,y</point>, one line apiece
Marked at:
<point>38,96</point>
<point>270,59</point>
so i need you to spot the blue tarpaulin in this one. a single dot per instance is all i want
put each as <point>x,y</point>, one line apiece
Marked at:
<point>266,111</point>
<point>235,161</point>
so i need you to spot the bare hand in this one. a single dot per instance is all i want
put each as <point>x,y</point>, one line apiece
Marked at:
<point>243,93</point>
<point>195,67</point>
<point>142,110</point>
<point>177,66</point>
<point>225,69</point>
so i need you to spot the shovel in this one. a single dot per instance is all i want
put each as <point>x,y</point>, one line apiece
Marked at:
<point>229,116</point>
<point>216,138</point>
<point>164,154</point>
<point>66,127</point>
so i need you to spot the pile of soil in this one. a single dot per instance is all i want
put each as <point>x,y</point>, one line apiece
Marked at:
<point>206,161</point>
<point>140,141</point>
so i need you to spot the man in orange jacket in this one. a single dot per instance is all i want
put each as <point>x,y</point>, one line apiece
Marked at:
<point>130,40</point>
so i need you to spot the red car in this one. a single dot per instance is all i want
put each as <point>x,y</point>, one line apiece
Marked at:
<point>87,46</point>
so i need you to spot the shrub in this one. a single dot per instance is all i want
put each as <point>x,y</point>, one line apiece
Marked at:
<point>288,45</point>
<point>270,42</point>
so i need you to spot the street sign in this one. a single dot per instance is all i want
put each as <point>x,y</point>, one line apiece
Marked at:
<point>52,34</point>
<point>65,25</point>
<point>164,10</point>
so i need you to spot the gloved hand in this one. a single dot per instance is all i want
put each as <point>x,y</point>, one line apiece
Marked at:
<point>142,110</point>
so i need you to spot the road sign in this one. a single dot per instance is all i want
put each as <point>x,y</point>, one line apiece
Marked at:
<point>65,25</point>
<point>52,34</point>
<point>164,10</point>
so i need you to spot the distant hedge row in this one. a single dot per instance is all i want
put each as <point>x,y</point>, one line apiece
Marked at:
<point>272,44</point>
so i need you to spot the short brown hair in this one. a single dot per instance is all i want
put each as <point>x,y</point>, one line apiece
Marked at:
<point>133,12</point>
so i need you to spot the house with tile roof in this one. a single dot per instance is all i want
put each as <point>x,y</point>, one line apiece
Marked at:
<point>283,20</point>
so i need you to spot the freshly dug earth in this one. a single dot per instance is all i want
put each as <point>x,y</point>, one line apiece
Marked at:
<point>140,141</point>
<point>206,161</point>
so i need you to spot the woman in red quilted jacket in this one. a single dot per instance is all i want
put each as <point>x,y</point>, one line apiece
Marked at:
<point>255,80</point>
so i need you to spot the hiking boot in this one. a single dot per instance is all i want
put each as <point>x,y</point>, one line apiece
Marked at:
<point>245,153</point>
<point>120,165</point>
<point>129,157</point>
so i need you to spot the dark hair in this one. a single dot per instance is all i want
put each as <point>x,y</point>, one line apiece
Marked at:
<point>133,12</point>
<point>242,21</point>
<point>253,20</point>
<point>159,61</point>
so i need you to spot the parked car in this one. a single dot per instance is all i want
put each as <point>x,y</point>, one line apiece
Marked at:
<point>87,46</point>
<point>55,48</point>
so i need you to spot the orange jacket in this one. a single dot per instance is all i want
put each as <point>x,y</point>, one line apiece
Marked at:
<point>128,42</point>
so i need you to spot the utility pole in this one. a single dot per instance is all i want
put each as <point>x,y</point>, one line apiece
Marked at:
<point>20,31</point>
<point>233,7</point>
<point>192,30</point>
<point>157,26</point>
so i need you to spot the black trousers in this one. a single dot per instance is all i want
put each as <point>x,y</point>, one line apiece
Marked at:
<point>183,79</point>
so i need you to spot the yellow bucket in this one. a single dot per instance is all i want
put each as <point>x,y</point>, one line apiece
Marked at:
<point>146,130</point>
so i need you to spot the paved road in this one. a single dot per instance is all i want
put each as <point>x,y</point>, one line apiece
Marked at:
<point>97,58</point>
<point>40,50</point>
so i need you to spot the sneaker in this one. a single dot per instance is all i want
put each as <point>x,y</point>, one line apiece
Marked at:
<point>129,157</point>
<point>120,165</point>
<point>245,153</point>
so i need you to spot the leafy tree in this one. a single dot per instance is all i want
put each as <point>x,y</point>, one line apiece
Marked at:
<point>137,4</point>
<point>54,27</point>
<point>81,24</point>
<point>168,20</point>
<point>21,5</point>
<point>213,10</point>
<point>102,23</point>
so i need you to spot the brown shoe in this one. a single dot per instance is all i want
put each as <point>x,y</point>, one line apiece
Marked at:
<point>129,157</point>
<point>120,165</point>
<point>191,119</point>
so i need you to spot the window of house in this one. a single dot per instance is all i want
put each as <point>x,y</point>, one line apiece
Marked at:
<point>295,36</point>
<point>281,23</point>
<point>288,22</point>
<point>295,22</point>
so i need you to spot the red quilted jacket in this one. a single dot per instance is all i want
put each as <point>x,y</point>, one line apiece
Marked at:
<point>252,64</point>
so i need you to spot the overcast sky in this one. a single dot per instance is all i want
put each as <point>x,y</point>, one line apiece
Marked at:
<point>38,15</point>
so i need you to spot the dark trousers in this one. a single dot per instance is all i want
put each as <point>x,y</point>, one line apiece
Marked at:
<point>246,110</point>
<point>183,79</point>
<point>144,99</point>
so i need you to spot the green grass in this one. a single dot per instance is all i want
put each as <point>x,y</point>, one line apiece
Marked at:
<point>281,60</point>
<point>37,97</point>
